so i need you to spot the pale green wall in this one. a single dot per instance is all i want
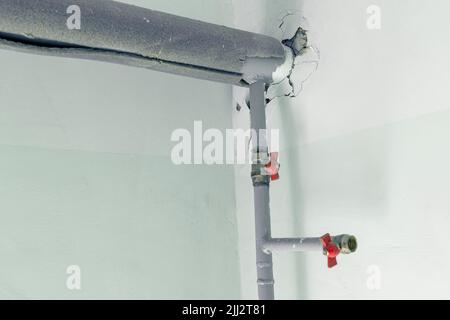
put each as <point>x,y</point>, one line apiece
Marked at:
<point>86,179</point>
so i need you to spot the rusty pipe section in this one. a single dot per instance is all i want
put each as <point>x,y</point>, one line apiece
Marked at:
<point>115,32</point>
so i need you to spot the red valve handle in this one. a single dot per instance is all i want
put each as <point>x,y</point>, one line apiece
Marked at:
<point>273,167</point>
<point>331,249</point>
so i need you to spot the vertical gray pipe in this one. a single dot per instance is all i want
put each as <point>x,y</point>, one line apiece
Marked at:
<point>261,195</point>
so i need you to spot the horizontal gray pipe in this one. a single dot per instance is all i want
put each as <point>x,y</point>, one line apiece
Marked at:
<point>293,244</point>
<point>125,34</point>
<point>346,243</point>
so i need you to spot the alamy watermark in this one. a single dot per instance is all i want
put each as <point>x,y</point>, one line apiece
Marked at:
<point>74,20</point>
<point>73,281</point>
<point>374,17</point>
<point>213,146</point>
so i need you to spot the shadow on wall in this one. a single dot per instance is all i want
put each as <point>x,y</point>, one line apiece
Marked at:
<point>350,179</point>
<point>292,159</point>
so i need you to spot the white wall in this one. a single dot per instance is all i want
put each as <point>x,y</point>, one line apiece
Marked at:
<point>86,179</point>
<point>364,150</point>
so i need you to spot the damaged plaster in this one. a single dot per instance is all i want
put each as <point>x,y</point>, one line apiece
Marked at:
<point>306,57</point>
<point>302,59</point>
